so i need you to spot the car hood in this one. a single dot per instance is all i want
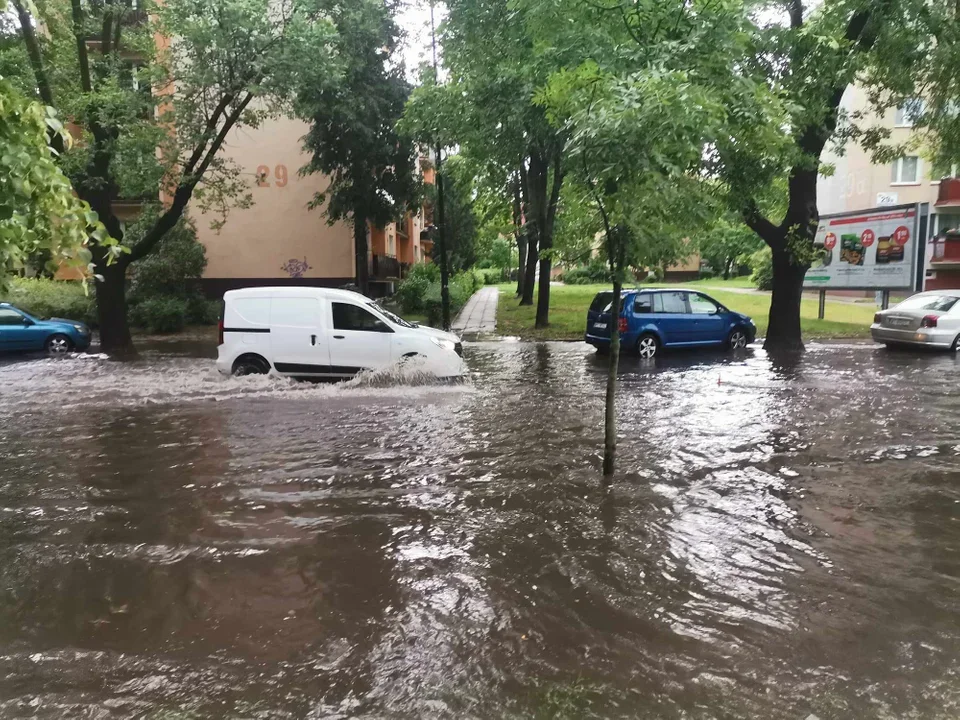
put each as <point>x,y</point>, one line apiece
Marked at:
<point>440,334</point>
<point>63,321</point>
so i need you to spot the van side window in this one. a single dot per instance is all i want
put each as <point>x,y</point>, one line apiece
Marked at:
<point>671,302</point>
<point>643,304</point>
<point>354,317</point>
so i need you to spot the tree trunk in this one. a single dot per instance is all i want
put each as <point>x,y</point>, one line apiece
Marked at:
<point>547,212</point>
<point>522,267</point>
<point>360,250</point>
<point>112,309</point>
<point>530,271</point>
<point>610,416</point>
<point>783,327</point>
<point>726,269</point>
<point>543,294</point>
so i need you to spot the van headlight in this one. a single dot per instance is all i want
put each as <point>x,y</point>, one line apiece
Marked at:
<point>443,343</point>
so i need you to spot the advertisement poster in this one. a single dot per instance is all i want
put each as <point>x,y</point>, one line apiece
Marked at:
<point>874,248</point>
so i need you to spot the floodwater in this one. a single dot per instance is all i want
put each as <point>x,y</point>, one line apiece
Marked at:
<point>781,540</point>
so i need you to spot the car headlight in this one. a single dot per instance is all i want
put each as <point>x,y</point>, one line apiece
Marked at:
<point>443,343</point>
<point>80,329</point>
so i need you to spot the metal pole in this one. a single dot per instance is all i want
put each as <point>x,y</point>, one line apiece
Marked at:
<point>442,232</point>
<point>823,303</point>
<point>885,300</point>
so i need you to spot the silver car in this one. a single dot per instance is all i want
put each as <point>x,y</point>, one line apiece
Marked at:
<point>931,319</point>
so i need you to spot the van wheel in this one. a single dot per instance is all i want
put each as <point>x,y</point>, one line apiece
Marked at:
<point>251,365</point>
<point>737,340</point>
<point>57,345</point>
<point>647,345</point>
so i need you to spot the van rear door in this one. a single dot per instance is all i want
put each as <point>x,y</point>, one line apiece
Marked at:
<point>299,343</point>
<point>598,316</point>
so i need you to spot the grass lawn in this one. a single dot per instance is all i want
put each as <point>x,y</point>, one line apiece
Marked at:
<point>569,303</point>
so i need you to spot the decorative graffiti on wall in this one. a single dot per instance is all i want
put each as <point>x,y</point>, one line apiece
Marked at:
<point>295,268</point>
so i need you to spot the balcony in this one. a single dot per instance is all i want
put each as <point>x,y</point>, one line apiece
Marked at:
<point>948,194</point>
<point>946,251</point>
<point>384,267</point>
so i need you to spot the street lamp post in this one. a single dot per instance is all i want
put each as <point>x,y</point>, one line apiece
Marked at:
<point>441,226</point>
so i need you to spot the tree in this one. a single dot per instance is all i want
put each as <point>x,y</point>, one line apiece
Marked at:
<point>151,117</point>
<point>486,108</point>
<point>38,210</point>
<point>638,115</point>
<point>461,222</point>
<point>353,136</point>
<point>724,241</point>
<point>784,106</point>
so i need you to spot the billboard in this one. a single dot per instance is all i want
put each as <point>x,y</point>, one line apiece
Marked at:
<point>869,249</point>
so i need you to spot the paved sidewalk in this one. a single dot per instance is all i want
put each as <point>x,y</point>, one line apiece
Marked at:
<point>479,315</point>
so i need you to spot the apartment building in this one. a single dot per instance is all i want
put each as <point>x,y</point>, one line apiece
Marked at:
<point>857,183</point>
<point>280,241</point>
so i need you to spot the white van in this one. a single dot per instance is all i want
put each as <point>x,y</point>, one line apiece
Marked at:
<point>320,332</point>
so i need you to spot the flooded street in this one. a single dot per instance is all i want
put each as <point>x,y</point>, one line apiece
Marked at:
<point>780,541</point>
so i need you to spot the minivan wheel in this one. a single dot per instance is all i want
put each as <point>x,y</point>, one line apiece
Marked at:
<point>737,340</point>
<point>647,346</point>
<point>250,366</point>
<point>58,345</point>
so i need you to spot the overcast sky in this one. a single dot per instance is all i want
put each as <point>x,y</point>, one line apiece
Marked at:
<point>415,21</point>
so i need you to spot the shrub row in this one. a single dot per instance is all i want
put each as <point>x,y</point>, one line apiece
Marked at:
<point>419,293</point>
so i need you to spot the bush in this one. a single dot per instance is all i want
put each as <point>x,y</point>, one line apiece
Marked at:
<point>492,275</point>
<point>419,293</point>
<point>706,273</point>
<point>53,298</point>
<point>162,314</point>
<point>201,311</point>
<point>596,272</point>
<point>761,263</point>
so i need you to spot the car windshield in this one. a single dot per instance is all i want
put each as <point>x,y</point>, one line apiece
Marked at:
<point>937,303</point>
<point>391,316</point>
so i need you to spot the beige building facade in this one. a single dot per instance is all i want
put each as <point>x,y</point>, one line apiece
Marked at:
<point>279,240</point>
<point>857,183</point>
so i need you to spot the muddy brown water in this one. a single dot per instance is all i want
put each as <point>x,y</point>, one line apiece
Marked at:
<point>782,540</point>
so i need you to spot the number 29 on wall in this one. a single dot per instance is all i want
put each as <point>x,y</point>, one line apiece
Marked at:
<point>279,174</point>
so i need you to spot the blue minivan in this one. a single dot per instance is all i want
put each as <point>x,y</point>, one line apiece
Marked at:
<point>654,319</point>
<point>21,331</point>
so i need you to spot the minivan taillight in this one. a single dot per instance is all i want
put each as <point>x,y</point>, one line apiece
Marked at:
<point>622,325</point>
<point>929,321</point>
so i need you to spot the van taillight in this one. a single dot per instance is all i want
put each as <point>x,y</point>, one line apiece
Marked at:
<point>622,325</point>
<point>220,328</point>
<point>929,321</point>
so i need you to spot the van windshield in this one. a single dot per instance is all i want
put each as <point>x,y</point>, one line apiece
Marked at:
<point>391,316</point>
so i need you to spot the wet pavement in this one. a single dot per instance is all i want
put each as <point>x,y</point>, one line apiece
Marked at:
<point>781,541</point>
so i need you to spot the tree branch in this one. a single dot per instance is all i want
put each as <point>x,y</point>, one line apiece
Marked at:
<point>755,220</point>
<point>185,189</point>
<point>554,194</point>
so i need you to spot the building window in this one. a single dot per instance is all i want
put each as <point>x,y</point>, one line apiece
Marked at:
<point>908,112</point>
<point>391,251</point>
<point>905,171</point>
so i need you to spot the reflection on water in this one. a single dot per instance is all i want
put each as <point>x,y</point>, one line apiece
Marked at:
<point>782,539</point>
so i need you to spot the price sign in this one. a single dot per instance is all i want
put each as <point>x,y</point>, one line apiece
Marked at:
<point>901,235</point>
<point>867,237</point>
<point>830,241</point>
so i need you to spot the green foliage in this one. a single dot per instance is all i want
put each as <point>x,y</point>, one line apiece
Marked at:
<point>723,243</point>
<point>491,275</point>
<point>52,298</point>
<point>39,213</point>
<point>598,271</point>
<point>419,293</point>
<point>499,254</point>
<point>162,314</point>
<point>761,263</point>
<point>353,138</point>
<point>179,259</point>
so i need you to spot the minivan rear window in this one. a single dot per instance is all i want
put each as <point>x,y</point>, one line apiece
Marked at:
<point>602,301</point>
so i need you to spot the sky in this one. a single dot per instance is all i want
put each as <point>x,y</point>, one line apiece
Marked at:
<point>415,21</point>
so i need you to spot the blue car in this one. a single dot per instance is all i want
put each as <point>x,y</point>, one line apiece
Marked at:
<point>654,319</point>
<point>21,331</point>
